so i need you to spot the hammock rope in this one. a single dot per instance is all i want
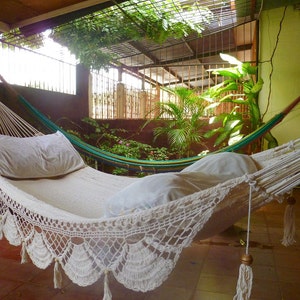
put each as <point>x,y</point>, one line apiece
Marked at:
<point>13,125</point>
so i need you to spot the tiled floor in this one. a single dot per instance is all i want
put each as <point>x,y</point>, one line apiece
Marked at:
<point>207,270</point>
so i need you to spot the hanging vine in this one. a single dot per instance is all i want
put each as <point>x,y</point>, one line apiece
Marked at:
<point>91,36</point>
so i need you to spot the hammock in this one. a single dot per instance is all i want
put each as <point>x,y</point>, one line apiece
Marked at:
<point>65,214</point>
<point>148,166</point>
<point>61,220</point>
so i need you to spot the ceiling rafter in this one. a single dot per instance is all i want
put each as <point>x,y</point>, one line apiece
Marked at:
<point>196,56</point>
<point>139,47</point>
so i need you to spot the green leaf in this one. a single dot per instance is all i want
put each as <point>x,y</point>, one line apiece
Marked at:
<point>249,69</point>
<point>230,125</point>
<point>228,72</point>
<point>218,118</point>
<point>240,101</point>
<point>212,106</point>
<point>235,139</point>
<point>255,115</point>
<point>247,87</point>
<point>211,133</point>
<point>231,59</point>
<point>221,138</point>
<point>258,86</point>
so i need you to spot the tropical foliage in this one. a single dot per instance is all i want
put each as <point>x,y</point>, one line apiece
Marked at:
<point>90,37</point>
<point>183,128</point>
<point>111,140</point>
<point>239,87</point>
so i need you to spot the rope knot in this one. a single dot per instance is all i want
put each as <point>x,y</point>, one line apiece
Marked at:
<point>291,145</point>
<point>252,183</point>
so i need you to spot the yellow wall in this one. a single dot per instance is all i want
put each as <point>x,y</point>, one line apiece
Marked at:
<point>285,81</point>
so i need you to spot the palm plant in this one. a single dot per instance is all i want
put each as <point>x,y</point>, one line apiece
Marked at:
<point>184,127</point>
<point>239,87</point>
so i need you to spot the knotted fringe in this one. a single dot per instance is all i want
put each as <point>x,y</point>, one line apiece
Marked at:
<point>289,223</point>
<point>24,254</point>
<point>244,283</point>
<point>107,293</point>
<point>57,278</point>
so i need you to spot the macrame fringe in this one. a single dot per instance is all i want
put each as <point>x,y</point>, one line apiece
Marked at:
<point>289,230</point>
<point>24,254</point>
<point>57,278</point>
<point>107,293</point>
<point>244,284</point>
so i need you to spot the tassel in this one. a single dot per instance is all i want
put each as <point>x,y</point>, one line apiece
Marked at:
<point>289,223</point>
<point>244,284</point>
<point>57,279</point>
<point>24,254</point>
<point>107,293</point>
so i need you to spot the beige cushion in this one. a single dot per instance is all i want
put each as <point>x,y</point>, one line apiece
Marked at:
<point>159,189</point>
<point>38,157</point>
<point>225,165</point>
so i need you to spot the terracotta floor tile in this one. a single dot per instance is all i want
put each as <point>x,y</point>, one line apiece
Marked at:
<point>288,261</point>
<point>30,292</point>
<point>217,284</point>
<point>290,291</point>
<point>203,295</point>
<point>6,286</point>
<point>266,290</point>
<point>169,293</point>
<point>288,275</point>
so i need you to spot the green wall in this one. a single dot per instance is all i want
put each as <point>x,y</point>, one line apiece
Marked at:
<point>285,80</point>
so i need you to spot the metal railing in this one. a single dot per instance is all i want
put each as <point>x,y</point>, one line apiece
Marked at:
<point>32,69</point>
<point>130,99</point>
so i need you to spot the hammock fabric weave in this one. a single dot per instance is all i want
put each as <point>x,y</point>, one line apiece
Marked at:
<point>139,249</point>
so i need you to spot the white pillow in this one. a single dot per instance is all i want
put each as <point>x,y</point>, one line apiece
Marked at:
<point>38,157</point>
<point>225,165</point>
<point>157,189</point>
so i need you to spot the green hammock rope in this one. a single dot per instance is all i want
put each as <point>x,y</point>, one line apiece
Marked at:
<point>151,166</point>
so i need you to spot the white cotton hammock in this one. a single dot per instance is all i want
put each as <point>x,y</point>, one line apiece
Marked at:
<point>61,220</point>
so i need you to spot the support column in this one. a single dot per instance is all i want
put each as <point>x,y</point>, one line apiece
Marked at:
<point>143,104</point>
<point>83,89</point>
<point>121,101</point>
<point>121,97</point>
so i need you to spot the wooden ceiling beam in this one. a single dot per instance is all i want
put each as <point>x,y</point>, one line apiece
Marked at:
<point>4,27</point>
<point>58,12</point>
<point>143,51</point>
<point>197,56</point>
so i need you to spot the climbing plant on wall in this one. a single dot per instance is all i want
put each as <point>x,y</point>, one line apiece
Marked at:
<point>90,37</point>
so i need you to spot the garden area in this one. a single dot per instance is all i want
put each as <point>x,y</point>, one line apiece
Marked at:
<point>191,127</point>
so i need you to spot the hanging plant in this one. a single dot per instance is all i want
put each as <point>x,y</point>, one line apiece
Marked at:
<point>90,37</point>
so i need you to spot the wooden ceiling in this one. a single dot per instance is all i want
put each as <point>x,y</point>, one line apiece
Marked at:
<point>39,15</point>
